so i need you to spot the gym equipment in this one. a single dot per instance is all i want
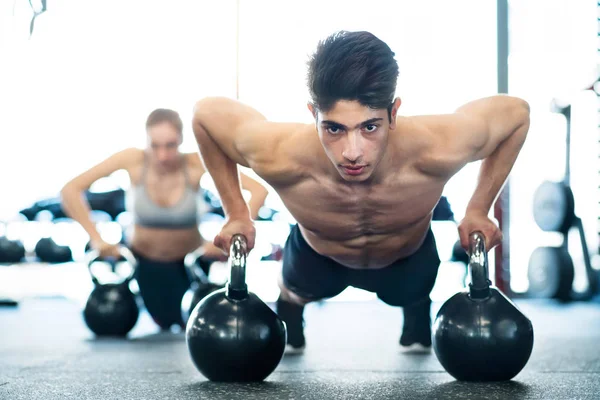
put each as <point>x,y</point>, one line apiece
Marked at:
<point>551,270</point>
<point>459,254</point>
<point>200,286</point>
<point>213,202</point>
<point>11,251</point>
<point>551,273</point>
<point>6,302</point>
<point>232,335</point>
<point>111,202</point>
<point>480,334</point>
<point>111,308</point>
<point>554,207</point>
<point>48,251</point>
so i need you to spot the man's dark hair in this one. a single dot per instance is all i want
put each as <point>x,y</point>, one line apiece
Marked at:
<point>352,66</point>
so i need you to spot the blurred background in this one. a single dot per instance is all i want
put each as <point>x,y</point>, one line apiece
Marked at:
<point>79,85</point>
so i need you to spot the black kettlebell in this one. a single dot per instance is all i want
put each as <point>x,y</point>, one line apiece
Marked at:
<point>200,286</point>
<point>480,334</point>
<point>111,309</point>
<point>232,335</point>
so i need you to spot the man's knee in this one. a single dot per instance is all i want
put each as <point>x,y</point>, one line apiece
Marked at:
<point>289,296</point>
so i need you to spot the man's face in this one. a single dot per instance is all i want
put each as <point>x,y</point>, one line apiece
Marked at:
<point>354,137</point>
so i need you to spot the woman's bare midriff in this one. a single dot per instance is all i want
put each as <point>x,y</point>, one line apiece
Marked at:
<point>165,244</point>
<point>370,251</point>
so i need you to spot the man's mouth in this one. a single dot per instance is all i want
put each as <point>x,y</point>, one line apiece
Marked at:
<point>353,169</point>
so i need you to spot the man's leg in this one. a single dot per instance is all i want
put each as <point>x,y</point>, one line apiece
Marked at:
<point>305,276</point>
<point>290,307</point>
<point>416,331</point>
<point>407,283</point>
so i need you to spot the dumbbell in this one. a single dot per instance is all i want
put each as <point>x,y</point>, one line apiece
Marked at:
<point>47,250</point>
<point>11,251</point>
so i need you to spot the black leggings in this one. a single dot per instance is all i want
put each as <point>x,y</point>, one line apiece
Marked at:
<point>404,282</point>
<point>162,286</point>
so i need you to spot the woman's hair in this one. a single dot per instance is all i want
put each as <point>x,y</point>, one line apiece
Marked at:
<point>161,115</point>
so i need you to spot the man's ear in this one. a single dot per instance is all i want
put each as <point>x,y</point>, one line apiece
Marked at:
<point>312,109</point>
<point>394,112</point>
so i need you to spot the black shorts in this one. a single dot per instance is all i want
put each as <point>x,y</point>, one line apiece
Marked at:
<point>404,282</point>
<point>162,286</point>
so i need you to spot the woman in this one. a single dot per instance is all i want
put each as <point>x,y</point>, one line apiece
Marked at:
<point>164,190</point>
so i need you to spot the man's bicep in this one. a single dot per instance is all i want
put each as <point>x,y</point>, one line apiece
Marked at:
<point>229,124</point>
<point>490,121</point>
<point>470,135</point>
<point>458,136</point>
<point>257,142</point>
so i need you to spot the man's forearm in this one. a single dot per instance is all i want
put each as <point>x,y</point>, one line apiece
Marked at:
<point>224,172</point>
<point>496,168</point>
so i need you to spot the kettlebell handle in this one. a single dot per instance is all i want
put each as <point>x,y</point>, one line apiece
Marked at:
<point>94,255</point>
<point>237,288</point>
<point>478,262</point>
<point>195,273</point>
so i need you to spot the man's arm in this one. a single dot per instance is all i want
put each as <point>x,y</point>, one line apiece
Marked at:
<point>258,191</point>
<point>230,133</point>
<point>223,129</point>
<point>503,123</point>
<point>492,129</point>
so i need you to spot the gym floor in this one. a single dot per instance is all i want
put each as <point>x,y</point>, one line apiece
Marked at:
<point>46,352</point>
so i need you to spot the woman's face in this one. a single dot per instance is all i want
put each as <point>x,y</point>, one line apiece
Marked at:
<point>163,144</point>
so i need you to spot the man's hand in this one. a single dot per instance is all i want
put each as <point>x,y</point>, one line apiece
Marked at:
<point>479,221</point>
<point>213,253</point>
<point>233,226</point>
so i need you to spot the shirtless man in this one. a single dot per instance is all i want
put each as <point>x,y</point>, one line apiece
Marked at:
<point>361,181</point>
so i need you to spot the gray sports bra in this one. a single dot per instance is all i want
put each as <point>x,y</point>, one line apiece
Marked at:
<point>183,214</point>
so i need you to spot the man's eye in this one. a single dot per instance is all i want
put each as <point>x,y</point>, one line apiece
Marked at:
<point>333,130</point>
<point>371,128</point>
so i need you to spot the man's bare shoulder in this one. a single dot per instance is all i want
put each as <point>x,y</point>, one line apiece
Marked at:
<point>428,140</point>
<point>284,150</point>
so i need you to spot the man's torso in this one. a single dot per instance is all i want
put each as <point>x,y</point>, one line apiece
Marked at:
<point>367,225</point>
